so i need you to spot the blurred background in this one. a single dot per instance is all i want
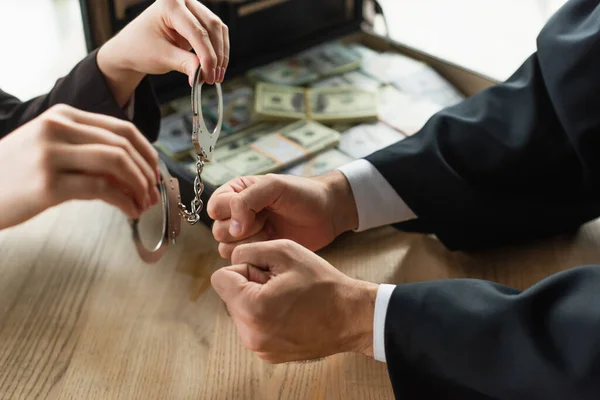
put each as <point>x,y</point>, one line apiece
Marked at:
<point>41,40</point>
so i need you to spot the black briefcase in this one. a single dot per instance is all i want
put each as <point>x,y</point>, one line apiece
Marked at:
<point>263,31</point>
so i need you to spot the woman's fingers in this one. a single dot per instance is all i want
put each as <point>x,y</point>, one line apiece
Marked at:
<point>218,33</point>
<point>94,135</point>
<point>100,159</point>
<point>199,37</point>
<point>87,128</point>
<point>226,49</point>
<point>76,186</point>
<point>119,127</point>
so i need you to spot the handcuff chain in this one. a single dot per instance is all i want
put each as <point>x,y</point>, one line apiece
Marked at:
<point>193,216</point>
<point>199,128</point>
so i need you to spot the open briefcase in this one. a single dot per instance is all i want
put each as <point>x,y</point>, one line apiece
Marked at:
<point>263,32</point>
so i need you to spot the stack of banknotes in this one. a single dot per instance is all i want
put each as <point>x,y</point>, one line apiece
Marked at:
<point>310,113</point>
<point>267,147</point>
<point>325,104</point>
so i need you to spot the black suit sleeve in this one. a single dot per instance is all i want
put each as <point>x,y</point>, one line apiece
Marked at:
<point>84,88</point>
<point>515,161</point>
<point>469,339</point>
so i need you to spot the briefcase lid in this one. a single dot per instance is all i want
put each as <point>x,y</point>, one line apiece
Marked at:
<point>260,31</point>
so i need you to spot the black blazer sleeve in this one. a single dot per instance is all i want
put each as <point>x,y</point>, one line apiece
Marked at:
<point>518,160</point>
<point>84,88</point>
<point>470,339</point>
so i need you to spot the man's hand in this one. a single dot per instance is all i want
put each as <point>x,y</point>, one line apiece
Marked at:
<point>159,40</point>
<point>289,304</point>
<point>309,211</point>
<point>67,154</point>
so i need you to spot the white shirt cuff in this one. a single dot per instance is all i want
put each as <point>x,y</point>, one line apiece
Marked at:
<point>384,293</point>
<point>377,202</point>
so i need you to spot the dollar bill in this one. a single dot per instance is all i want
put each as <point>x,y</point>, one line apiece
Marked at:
<point>412,77</point>
<point>320,164</point>
<point>344,103</point>
<point>328,105</point>
<point>361,81</point>
<point>175,136</point>
<point>341,126</point>
<point>237,106</point>
<point>318,62</point>
<point>352,78</point>
<point>387,67</point>
<point>293,71</point>
<point>237,109</point>
<point>427,83</point>
<point>280,102</point>
<point>406,113</point>
<point>233,149</point>
<point>332,81</point>
<point>331,59</point>
<point>361,50</point>
<point>262,151</point>
<point>362,140</point>
<point>214,174</point>
<point>240,140</point>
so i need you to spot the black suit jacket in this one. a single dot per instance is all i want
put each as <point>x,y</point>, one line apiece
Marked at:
<point>84,88</point>
<point>517,161</point>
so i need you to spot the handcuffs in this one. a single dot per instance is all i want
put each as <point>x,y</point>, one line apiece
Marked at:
<point>173,210</point>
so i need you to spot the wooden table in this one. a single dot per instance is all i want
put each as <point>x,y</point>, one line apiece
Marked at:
<point>82,318</point>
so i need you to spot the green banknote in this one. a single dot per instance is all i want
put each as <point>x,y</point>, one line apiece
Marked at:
<point>342,104</point>
<point>293,71</point>
<point>317,62</point>
<point>331,59</point>
<point>404,112</point>
<point>331,81</point>
<point>263,151</point>
<point>280,102</point>
<point>323,104</point>
<point>361,50</point>
<point>175,136</point>
<point>320,164</point>
<point>352,78</point>
<point>237,109</point>
<point>362,140</point>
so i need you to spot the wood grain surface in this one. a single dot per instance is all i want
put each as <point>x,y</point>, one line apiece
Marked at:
<point>81,317</point>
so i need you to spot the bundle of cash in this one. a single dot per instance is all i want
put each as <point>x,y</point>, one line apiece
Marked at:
<point>353,78</point>
<point>428,84</point>
<point>264,150</point>
<point>332,81</point>
<point>293,71</point>
<point>237,106</point>
<point>388,66</point>
<point>412,77</point>
<point>362,140</point>
<point>324,60</point>
<point>327,105</point>
<point>403,112</point>
<point>320,164</point>
<point>331,59</point>
<point>361,81</point>
<point>361,50</point>
<point>175,136</point>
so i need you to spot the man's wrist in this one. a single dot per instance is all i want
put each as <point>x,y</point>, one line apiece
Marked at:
<point>343,205</point>
<point>359,312</point>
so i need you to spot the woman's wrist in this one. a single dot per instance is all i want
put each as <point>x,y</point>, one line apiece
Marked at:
<point>121,78</point>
